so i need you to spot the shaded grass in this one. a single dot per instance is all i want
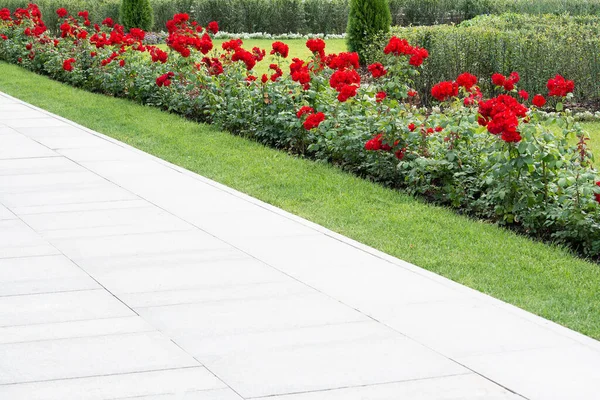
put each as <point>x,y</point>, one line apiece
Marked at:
<point>546,280</point>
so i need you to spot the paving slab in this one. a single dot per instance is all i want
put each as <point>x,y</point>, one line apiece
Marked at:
<point>123,276</point>
<point>180,383</point>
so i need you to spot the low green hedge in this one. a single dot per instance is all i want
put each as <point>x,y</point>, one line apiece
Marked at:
<point>536,46</point>
<point>313,16</point>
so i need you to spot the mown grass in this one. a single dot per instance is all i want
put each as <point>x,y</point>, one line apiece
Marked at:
<point>543,279</point>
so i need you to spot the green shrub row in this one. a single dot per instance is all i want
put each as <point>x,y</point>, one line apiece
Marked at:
<point>313,16</point>
<point>536,46</point>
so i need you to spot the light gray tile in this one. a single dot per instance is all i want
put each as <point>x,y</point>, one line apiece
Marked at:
<point>72,207</point>
<point>458,387</point>
<point>571,372</point>
<point>73,329</point>
<point>182,274</point>
<point>122,386</point>
<point>146,243</point>
<point>18,240</point>
<point>30,166</point>
<point>63,137</point>
<point>218,394</point>
<point>5,213</point>
<point>107,222</point>
<point>229,317</point>
<point>320,358</point>
<point>241,225</point>
<point>23,113</point>
<point>105,152</point>
<point>89,356</point>
<point>42,275</point>
<point>53,180</point>
<point>34,123</point>
<point>73,194</point>
<point>470,328</point>
<point>212,293</point>
<point>60,307</point>
<point>18,146</point>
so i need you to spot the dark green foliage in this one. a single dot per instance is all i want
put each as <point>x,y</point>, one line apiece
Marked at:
<point>367,18</point>
<point>309,16</point>
<point>136,14</point>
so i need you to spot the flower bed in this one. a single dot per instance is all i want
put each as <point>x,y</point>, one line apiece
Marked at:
<point>497,158</point>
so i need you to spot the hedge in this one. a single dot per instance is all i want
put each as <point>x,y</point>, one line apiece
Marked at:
<point>536,46</point>
<point>311,16</point>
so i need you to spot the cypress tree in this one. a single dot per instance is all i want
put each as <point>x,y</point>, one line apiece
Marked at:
<point>137,14</point>
<point>366,19</point>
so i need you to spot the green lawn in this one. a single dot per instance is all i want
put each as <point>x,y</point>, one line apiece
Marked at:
<point>543,279</point>
<point>297,49</point>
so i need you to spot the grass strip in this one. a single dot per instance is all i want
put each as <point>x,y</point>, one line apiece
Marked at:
<point>543,279</point>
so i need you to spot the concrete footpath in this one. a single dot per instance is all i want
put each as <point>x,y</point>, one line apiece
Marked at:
<point>123,276</point>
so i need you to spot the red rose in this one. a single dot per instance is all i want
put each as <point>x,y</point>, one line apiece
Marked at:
<point>314,120</point>
<point>122,63</point>
<point>108,22</point>
<point>281,49</point>
<point>444,90</point>
<point>466,80</point>
<point>232,44</point>
<point>304,110</point>
<point>400,153</point>
<point>380,96</point>
<point>523,94</point>
<point>412,93</point>
<point>412,127</point>
<point>5,15</point>
<point>539,101</point>
<point>316,46</point>
<point>399,47</point>
<point>346,91</point>
<point>374,144</point>
<point>498,79</point>
<point>62,12</point>
<point>501,116</point>
<point>597,195</point>
<point>377,70</point>
<point>213,27</point>
<point>264,78</point>
<point>67,64</point>
<point>344,60</point>
<point>165,80</point>
<point>559,86</point>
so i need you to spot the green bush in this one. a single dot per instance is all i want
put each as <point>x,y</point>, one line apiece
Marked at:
<point>535,46</point>
<point>366,19</point>
<point>136,14</point>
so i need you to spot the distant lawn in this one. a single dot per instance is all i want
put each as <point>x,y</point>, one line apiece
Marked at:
<point>297,49</point>
<point>545,280</point>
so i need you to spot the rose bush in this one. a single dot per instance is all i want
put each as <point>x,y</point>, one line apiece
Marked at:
<point>499,158</point>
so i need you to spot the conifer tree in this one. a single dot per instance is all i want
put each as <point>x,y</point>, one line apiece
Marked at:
<point>366,19</point>
<point>137,14</point>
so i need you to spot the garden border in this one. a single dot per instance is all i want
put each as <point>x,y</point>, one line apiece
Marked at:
<point>572,334</point>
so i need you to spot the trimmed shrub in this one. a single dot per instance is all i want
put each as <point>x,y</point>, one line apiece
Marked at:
<point>367,18</point>
<point>136,14</point>
<point>536,46</point>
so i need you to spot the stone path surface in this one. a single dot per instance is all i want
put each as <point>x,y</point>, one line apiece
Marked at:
<point>123,276</point>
